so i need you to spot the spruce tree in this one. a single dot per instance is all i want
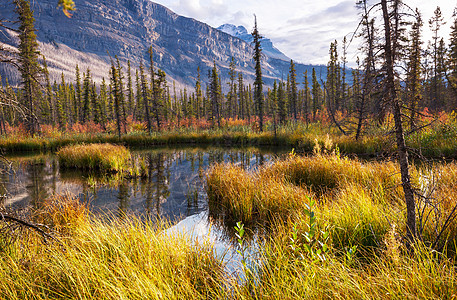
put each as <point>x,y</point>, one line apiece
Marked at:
<point>435,24</point>
<point>130,94</point>
<point>199,95</point>
<point>28,63</point>
<point>414,70</point>
<point>452,59</point>
<point>306,97</point>
<point>47,105</point>
<point>282,109</point>
<point>121,94</point>
<point>78,96</point>
<point>145,96</point>
<point>232,90</point>
<point>316,90</point>
<point>215,96</point>
<point>116,97</point>
<point>258,93</point>
<point>293,97</point>
<point>86,113</point>
<point>241,98</point>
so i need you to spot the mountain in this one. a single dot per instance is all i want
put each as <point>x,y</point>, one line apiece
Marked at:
<point>102,29</point>
<point>267,46</point>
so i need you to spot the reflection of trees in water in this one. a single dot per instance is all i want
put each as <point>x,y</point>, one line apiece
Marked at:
<point>123,197</point>
<point>259,159</point>
<point>215,156</point>
<point>156,187</point>
<point>38,183</point>
<point>4,180</point>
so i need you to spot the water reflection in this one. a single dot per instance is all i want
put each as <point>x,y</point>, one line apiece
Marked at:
<point>173,188</point>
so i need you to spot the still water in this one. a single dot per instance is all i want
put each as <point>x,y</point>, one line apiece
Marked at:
<point>174,189</point>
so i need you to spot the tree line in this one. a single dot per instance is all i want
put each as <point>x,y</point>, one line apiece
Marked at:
<point>427,80</point>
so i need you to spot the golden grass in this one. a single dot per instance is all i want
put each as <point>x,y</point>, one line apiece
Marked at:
<point>358,199</point>
<point>105,157</point>
<point>134,259</point>
<point>117,259</point>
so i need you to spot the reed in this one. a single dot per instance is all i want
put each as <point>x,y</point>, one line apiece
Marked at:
<point>359,200</point>
<point>116,259</point>
<point>104,157</point>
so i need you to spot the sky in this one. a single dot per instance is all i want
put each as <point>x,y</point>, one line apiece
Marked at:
<point>301,29</point>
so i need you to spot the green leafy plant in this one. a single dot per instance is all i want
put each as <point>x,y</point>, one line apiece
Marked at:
<point>312,243</point>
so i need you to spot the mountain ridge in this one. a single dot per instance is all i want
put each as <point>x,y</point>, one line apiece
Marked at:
<point>101,29</point>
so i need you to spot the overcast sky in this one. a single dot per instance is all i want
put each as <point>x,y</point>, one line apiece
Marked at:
<point>302,29</point>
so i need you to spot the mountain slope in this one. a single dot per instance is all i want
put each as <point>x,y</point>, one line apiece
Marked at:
<point>101,29</point>
<point>267,46</point>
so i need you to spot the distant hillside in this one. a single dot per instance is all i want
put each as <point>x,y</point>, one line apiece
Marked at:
<point>126,28</point>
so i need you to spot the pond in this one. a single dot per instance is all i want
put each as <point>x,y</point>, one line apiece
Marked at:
<point>174,189</point>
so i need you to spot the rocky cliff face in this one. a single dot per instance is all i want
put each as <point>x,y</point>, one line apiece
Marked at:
<point>101,29</point>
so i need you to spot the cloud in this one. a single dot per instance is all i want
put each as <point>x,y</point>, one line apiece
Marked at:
<point>302,29</point>
<point>201,9</point>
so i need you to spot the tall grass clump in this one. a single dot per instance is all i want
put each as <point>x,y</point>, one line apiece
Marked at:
<point>116,259</point>
<point>359,200</point>
<point>104,157</point>
<point>392,274</point>
<point>238,195</point>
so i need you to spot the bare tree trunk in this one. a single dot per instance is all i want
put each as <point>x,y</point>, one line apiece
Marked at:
<point>399,132</point>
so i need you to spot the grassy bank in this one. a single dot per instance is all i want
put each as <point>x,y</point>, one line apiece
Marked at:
<point>434,142</point>
<point>359,199</point>
<point>334,231</point>
<point>133,259</point>
<point>335,228</point>
<point>92,259</point>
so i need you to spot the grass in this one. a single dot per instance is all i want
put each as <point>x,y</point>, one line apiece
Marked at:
<point>120,259</point>
<point>436,141</point>
<point>134,259</point>
<point>103,157</point>
<point>358,199</point>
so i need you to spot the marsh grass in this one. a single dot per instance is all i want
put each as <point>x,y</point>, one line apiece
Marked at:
<point>103,157</point>
<point>421,274</point>
<point>130,258</point>
<point>359,200</point>
<point>116,259</point>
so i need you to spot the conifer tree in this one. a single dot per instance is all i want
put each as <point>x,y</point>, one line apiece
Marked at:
<point>282,110</point>
<point>130,94</point>
<point>452,59</point>
<point>121,95</point>
<point>62,100</point>
<point>86,114</point>
<point>199,95</point>
<point>103,103</point>
<point>28,62</point>
<point>215,96</point>
<point>47,105</point>
<point>306,97</point>
<point>293,97</point>
<point>78,96</point>
<point>316,90</point>
<point>138,110</point>
<point>232,90</point>
<point>392,19</point>
<point>414,70</point>
<point>241,98</point>
<point>116,97</point>
<point>435,24</point>
<point>274,104</point>
<point>258,93</point>
<point>145,96</point>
